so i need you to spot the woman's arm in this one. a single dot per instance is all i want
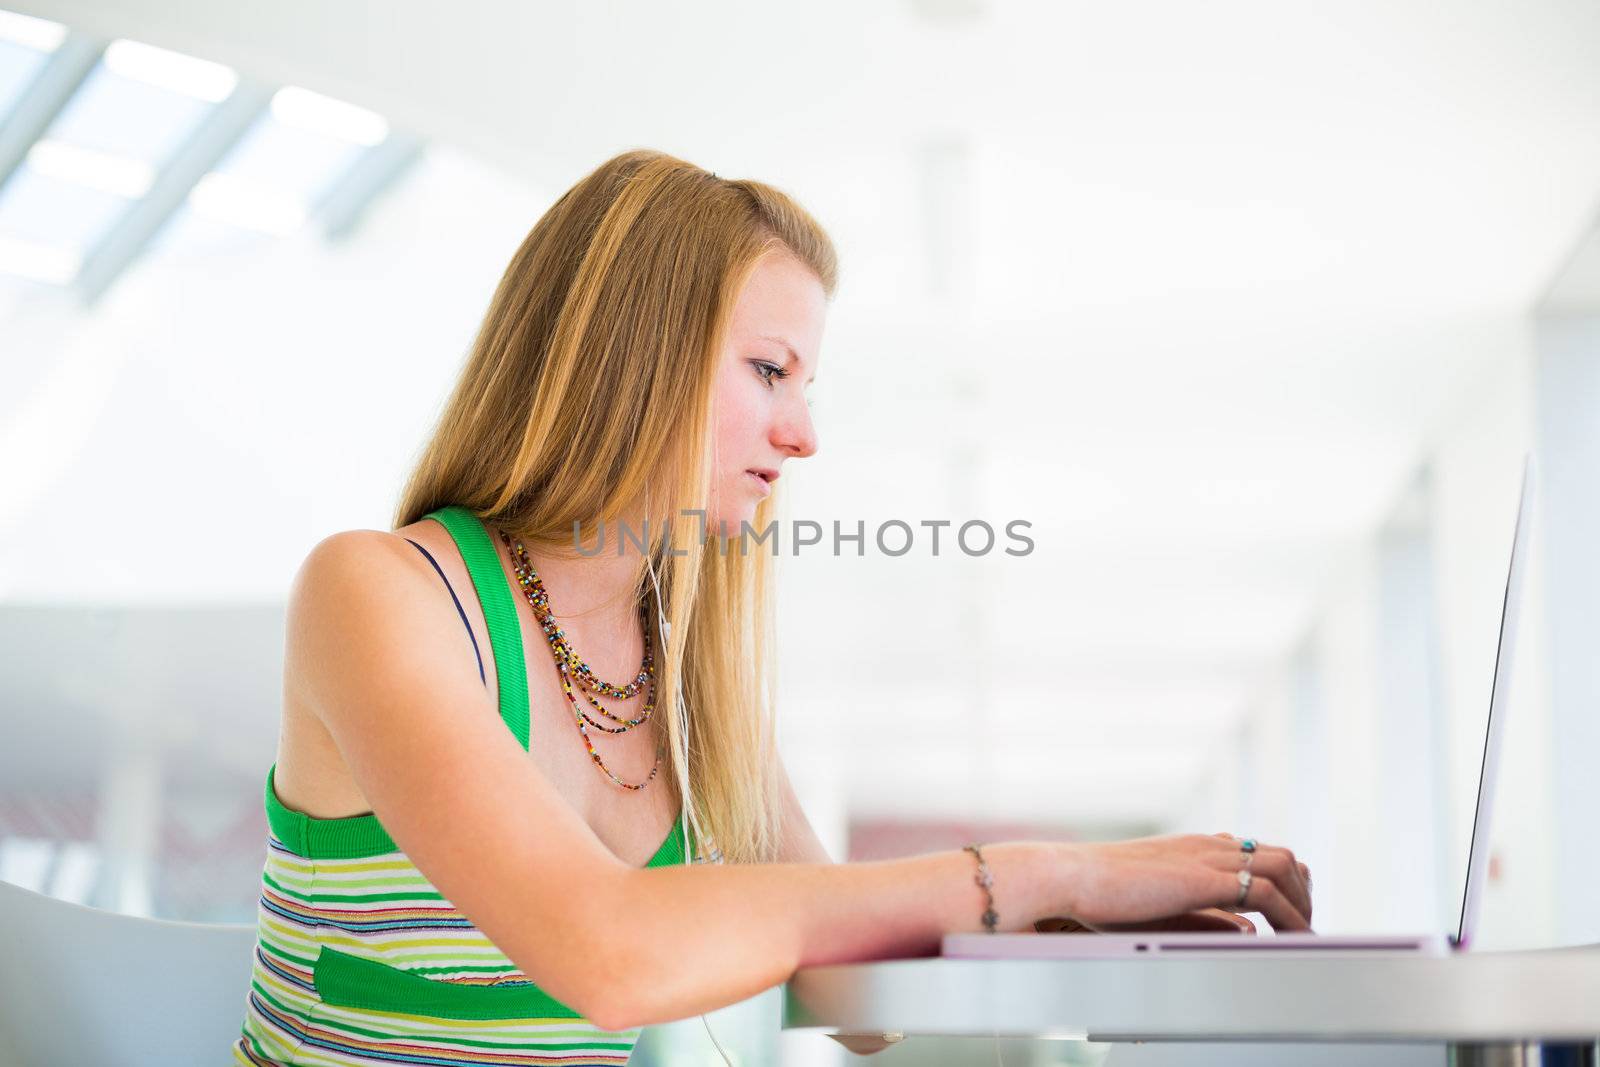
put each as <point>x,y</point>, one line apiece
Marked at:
<point>627,947</point>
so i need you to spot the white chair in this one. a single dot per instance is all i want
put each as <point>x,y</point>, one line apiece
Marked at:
<point>82,986</point>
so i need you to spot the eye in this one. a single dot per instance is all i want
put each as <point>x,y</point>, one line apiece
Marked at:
<point>769,371</point>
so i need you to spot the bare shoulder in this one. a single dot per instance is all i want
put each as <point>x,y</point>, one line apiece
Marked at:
<point>341,590</point>
<point>355,558</point>
<point>351,557</point>
<point>359,601</point>
<point>362,599</point>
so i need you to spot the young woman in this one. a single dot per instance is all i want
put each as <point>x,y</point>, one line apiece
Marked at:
<point>514,732</point>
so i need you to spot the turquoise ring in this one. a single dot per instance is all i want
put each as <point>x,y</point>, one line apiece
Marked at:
<point>1248,844</point>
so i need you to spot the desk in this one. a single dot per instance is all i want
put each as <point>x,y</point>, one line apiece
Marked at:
<point>1487,1007</point>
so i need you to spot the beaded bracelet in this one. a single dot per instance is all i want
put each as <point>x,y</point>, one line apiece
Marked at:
<point>984,881</point>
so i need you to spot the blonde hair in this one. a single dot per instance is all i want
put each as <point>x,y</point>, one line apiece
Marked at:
<point>588,395</point>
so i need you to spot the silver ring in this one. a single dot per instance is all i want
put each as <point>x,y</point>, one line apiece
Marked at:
<point>1249,857</point>
<point>1244,888</point>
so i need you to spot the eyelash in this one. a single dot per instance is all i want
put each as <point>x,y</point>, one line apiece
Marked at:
<point>777,372</point>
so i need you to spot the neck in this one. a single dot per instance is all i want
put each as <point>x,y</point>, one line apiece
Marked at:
<point>592,596</point>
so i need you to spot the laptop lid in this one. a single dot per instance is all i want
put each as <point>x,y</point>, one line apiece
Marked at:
<point>1478,851</point>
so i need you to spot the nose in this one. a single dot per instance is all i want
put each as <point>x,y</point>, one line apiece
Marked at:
<point>794,432</point>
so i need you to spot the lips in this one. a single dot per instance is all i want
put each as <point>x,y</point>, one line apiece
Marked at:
<point>763,478</point>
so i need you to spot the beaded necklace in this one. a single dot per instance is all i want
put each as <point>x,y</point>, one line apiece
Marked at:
<point>572,667</point>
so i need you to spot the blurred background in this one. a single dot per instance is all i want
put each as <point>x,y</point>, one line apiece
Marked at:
<point>1252,310</point>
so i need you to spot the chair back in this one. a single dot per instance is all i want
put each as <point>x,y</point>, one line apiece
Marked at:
<point>79,985</point>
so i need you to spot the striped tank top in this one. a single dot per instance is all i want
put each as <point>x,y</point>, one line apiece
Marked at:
<point>360,960</point>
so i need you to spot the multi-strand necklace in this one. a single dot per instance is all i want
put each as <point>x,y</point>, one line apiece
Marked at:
<point>572,668</point>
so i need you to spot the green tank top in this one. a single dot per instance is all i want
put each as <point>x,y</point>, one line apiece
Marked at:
<point>360,960</point>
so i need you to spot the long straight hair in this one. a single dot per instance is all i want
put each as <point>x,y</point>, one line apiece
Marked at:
<point>587,398</point>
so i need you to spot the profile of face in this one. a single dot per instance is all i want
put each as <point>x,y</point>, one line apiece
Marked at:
<point>769,359</point>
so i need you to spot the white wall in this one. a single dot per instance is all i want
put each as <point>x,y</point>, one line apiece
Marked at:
<point>1569,448</point>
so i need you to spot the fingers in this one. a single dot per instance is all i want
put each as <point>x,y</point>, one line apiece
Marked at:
<point>1213,920</point>
<point>1228,921</point>
<point>1291,876</point>
<point>1262,895</point>
<point>1204,920</point>
<point>1133,884</point>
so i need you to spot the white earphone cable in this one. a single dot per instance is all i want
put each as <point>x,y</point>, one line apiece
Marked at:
<point>664,628</point>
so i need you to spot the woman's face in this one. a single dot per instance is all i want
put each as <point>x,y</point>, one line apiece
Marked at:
<point>761,413</point>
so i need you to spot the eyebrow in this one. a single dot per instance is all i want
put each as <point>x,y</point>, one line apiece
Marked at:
<point>788,348</point>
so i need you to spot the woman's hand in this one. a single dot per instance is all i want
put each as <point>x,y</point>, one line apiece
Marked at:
<point>1204,921</point>
<point>1182,882</point>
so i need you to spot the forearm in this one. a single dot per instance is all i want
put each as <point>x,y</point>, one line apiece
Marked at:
<point>686,940</point>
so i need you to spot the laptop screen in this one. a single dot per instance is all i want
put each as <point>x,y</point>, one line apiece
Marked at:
<point>1478,852</point>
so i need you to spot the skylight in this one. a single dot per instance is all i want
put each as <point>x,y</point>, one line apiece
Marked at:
<point>19,65</point>
<point>138,151</point>
<point>128,117</point>
<point>184,75</point>
<point>303,109</point>
<point>38,35</point>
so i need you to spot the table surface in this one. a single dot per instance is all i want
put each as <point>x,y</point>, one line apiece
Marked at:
<point>1548,995</point>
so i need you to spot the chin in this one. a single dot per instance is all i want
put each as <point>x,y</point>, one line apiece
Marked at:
<point>732,518</point>
<point>730,509</point>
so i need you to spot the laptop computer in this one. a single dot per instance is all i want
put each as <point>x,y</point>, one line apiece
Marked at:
<point>1100,946</point>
